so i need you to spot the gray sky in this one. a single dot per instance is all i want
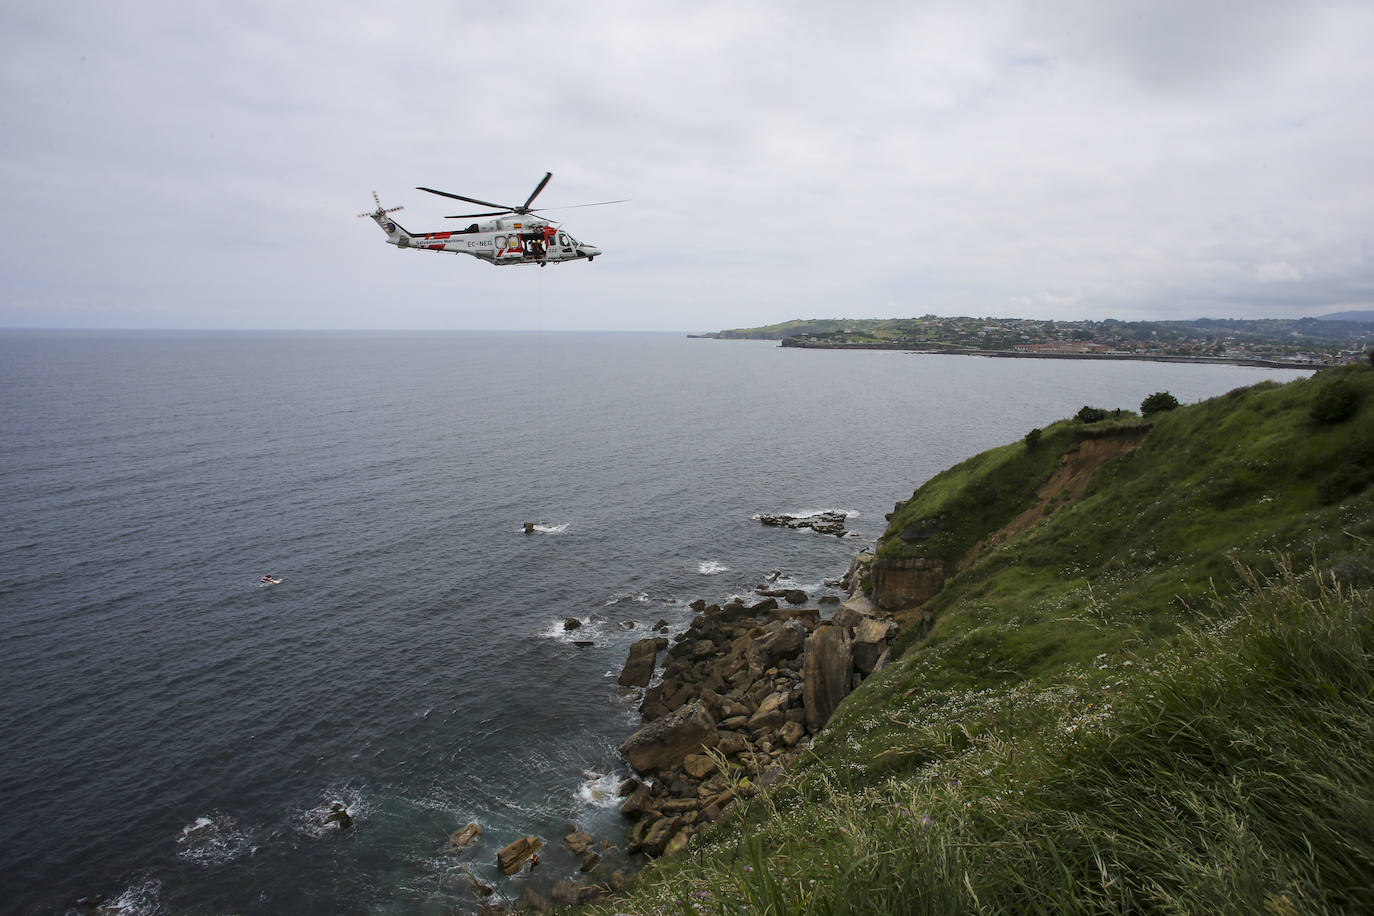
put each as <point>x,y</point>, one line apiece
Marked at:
<point>199,165</point>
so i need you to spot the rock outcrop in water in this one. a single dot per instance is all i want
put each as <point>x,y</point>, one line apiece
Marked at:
<point>461,839</point>
<point>515,854</point>
<point>639,669</point>
<point>742,690</point>
<point>823,522</point>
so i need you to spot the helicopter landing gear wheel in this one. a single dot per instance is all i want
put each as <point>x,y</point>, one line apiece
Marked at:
<point>589,260</point>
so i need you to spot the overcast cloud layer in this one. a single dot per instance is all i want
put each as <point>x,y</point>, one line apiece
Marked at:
<point>199,165</point>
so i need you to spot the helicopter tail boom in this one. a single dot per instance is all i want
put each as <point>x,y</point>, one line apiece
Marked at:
<point>395,234</point>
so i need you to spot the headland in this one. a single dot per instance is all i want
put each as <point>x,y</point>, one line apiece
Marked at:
<point>1301,343</point>
<point>1130,668</point>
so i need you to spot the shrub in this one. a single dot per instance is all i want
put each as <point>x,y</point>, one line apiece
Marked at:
<point>1336,401</point>
<point>1090,414</point>
<point>1032,438</point>
<point>1347,480</point>
<point>1158,402</point>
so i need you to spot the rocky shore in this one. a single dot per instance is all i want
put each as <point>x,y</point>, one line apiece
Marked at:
<point>742,692</point>
<point>728,705</point>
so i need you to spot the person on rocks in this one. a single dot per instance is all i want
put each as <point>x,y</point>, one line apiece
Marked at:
<point>534,861</point>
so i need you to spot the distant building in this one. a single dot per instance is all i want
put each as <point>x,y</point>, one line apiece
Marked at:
<point>1062,346</point>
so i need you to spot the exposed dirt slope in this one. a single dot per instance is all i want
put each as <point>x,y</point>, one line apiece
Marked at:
<point>1066,485</point>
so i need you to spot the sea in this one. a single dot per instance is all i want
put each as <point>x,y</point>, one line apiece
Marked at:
<point>176,732</point>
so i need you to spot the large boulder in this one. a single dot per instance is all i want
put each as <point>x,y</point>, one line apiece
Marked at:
<point>698,766</point>
<point>659,833</point>
<point>513,857</point>
<point>827,673</point>
<point>637,802</point>
<point>771,714</point>
<point>578,842</point>
<point>791,733</point>
<point>784,640</point>
<point>465,837</point>
<point>678,842</point>
<point>870,642</point>
<point>664,742</point>
<point>732,743</point>
<point>639,668</point>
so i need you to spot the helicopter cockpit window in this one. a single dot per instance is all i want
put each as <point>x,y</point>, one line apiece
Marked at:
<point>564,240</point>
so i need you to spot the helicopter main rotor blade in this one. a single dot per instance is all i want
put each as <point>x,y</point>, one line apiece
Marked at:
<point>535,193</point>
<point>600,203</point>
<point>468,215</point>
<point>471,200</point>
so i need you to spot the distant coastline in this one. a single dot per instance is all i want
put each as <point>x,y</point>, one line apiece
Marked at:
<point>1017,354</point>
<point>793,343</point>
<point>1301,343</point>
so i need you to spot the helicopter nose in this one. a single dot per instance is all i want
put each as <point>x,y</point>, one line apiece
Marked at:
<point>589,251</point>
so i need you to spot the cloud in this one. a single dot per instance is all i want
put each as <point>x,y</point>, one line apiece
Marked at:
<point>199,164</point>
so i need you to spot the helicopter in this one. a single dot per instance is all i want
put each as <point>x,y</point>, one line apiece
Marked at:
<point>516,236</point>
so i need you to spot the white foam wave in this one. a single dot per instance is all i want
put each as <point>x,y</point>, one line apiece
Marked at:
<point>633,597</point>
<point>598,790</point>
<point>549,529</point>
<point>786,580</point>
<point>712,567</point>
<point>139,900</point>
<point>315,821</point>
<point>214,840</point>
<point>590,628</point>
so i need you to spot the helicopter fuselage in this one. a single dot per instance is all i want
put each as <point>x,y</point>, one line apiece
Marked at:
<point>506,240</point>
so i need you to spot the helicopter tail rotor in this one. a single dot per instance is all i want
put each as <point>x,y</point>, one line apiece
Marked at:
<point>380,211</point>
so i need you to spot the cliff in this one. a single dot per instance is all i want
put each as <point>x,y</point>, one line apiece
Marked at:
<point>1135,675</point>
<point>983,503</point>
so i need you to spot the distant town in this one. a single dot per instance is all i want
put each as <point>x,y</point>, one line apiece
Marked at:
<point>1331,340</point>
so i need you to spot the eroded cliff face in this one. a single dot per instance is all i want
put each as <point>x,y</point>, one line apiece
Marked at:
<point>902,585</point>
<point>1067,484</point>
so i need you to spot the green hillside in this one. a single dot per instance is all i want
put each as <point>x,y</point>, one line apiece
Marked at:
<point>870,328</point>
<point>1157,697</point>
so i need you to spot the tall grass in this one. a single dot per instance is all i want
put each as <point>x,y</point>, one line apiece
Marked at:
<point>1138,706</point>
<point>1230,774</point>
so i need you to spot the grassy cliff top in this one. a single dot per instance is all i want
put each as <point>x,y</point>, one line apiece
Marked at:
<point>1157,696</point>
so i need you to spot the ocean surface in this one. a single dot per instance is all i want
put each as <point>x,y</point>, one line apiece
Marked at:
<point>175,732</point>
